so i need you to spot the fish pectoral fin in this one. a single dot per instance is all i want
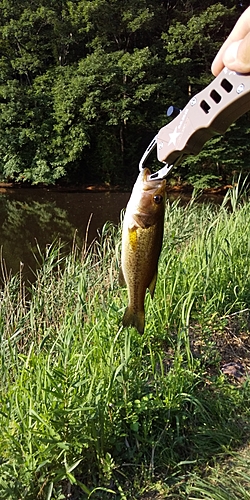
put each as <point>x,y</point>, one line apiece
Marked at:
<point>121,278</point>
<point>152,285</point>
<point>136,319</point>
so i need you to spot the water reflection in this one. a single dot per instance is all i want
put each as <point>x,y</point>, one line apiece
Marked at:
<point>30,215</point>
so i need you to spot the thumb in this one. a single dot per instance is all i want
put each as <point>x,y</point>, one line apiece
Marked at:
<point>237,55</point>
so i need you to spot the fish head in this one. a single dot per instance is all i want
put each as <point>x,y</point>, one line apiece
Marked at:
<point>148,199</point>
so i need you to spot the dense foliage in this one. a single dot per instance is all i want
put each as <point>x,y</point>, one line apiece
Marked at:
<point>84,85</point>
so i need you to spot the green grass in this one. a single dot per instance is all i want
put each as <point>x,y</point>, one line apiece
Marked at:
<point>91,410</point>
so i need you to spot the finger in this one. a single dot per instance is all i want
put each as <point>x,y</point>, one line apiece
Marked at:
<point>240,30</point>
<point>237,55</point>
<point>217,64</point>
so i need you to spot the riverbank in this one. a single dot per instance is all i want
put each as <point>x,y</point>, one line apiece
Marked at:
<point>105,187</point>
<point>92,410</point>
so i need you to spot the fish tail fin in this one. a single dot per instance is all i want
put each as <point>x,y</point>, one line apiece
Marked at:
<point>136,319</point>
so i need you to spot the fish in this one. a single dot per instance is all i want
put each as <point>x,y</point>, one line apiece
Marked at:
<point>142,236</point>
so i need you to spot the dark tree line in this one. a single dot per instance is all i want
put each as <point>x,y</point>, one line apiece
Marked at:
<point>84,86</point>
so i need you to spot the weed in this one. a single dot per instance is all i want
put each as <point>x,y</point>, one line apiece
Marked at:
<point>92,410</point>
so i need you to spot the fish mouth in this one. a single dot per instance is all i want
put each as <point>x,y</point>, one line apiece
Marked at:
<point>145,173</point>
<point>151,184</point>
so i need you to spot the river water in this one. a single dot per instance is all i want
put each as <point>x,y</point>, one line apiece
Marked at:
<point>40,216</point>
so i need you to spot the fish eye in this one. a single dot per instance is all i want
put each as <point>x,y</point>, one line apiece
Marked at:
<point>158,199</point>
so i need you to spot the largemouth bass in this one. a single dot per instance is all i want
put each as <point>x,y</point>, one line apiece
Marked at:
<point>142,235</point>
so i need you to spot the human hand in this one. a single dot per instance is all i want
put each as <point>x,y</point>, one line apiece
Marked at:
<point>235,51</point>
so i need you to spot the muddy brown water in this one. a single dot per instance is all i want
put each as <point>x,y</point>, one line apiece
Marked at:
<point>40,216</point>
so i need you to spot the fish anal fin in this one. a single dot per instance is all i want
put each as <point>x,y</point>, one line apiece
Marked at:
<point>152,285</point>
<point>121,278</point>
<point>136,319</point>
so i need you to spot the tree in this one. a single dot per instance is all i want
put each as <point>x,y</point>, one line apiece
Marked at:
<point>84,84</point>
<point>191,45</point>
<point>60,104</point>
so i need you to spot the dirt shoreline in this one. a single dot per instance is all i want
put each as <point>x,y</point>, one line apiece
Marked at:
<point>182,188</point>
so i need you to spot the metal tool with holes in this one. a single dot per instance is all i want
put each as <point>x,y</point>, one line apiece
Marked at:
<point>208,113</point>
